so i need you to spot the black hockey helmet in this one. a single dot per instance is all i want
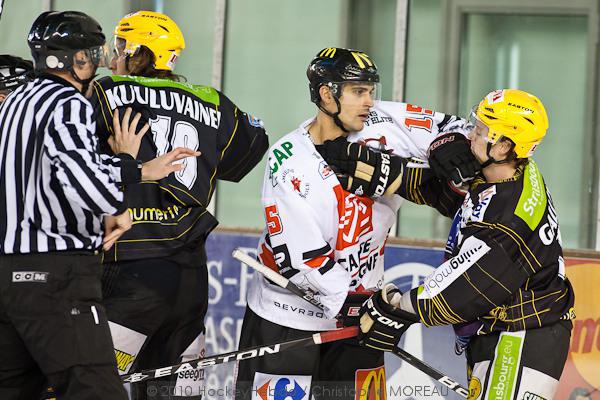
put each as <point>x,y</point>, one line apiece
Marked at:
<point>14,71</point>
<point>56,36</point>
<point>333,66</point>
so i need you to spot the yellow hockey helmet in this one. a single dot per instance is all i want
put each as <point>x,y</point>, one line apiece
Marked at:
<point>156,31</point>
<point>516,115</point>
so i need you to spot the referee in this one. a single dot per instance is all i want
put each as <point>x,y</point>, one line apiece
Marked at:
<point>54,191</point>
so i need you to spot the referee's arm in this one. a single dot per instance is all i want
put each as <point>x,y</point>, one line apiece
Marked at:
<point>72,146</point>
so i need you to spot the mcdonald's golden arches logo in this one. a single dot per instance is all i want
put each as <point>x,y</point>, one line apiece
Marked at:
<point>370,384</point>
<point>362,59</point>
<point>328,52</point>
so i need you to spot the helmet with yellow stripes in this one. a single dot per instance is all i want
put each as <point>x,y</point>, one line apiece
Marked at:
<point>516,115</point>
<point>157,31</point>
<point>333,66</point>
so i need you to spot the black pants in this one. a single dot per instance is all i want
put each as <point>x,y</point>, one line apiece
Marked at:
<point>53,329</point>
<point>336,370</point>
<point>518,365</point>
<point>164,301</point>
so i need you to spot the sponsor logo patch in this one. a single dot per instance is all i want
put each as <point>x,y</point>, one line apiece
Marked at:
<point>485,199</point>
<point>495,97</point>
<point>280,387</point>
<point>355,217</point>
<point>124,360</point>
<point>127,344</point>
<point>471,251</point>
<point>474,388</point>
<point>30,276</point>
<point>370,384</point>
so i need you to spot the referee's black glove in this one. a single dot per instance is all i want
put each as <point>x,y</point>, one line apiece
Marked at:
<point>381,324</point>
<point>450,158</point>
<point>362,170</point>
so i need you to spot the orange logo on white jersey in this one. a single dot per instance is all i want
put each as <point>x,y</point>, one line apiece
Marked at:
<point>355,217</point>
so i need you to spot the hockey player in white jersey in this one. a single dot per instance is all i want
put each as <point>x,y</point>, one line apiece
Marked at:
<point>327,236</point>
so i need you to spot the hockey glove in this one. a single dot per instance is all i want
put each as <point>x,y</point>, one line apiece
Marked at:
<point>350,312</point>
<point>450,158</point>
<point>362,170</point>
<point>381,324</point>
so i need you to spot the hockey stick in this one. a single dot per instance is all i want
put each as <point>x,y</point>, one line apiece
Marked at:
<point>244,354</point>
<point>285,283</point>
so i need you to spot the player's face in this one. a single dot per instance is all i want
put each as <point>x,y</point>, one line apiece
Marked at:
<point>118,62</point>
<point>479,141</point>
<point>356,102</point>
<point>83,65</point>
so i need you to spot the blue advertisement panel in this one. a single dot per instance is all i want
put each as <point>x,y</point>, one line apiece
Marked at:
<point>406,267</point>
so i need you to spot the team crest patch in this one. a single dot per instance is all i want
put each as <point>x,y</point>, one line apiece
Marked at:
<point>297,181</point>
<point>325,170</point>
<point>254,121</point>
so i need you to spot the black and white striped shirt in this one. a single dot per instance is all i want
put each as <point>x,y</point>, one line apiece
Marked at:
<point>54,186</point>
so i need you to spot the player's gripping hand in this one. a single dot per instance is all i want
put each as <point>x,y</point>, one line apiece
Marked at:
<point>362,170</point>
<point>450,158</point>
<point>130,123</point>
<point>350,313</point>
<point>381,323</point>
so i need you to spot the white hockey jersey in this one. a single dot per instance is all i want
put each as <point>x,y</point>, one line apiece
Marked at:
<point>324,239</point>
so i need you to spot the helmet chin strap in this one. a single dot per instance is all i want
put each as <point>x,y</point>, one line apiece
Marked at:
<point>492,160</point>
<point>85,83</point>
<point>335,115</point>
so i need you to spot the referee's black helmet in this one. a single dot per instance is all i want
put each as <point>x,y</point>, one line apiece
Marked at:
<point>56,36</point>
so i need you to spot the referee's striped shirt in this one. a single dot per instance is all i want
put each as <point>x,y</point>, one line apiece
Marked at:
<point>54,186</point>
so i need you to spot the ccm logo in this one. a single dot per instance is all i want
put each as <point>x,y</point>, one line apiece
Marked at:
<point>30,276</point>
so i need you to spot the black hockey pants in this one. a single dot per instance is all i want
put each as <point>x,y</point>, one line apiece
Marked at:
<point>53,329</point>
<point>161,303</point>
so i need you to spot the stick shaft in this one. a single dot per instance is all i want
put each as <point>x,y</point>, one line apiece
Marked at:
<point>244,354</point>
<point>287,284</point>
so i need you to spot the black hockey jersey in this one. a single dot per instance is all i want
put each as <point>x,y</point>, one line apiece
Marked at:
<point>171,213</point>
<point>506,267</point>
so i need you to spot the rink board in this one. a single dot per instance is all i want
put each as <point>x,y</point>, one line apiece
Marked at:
<point>406,267</point>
